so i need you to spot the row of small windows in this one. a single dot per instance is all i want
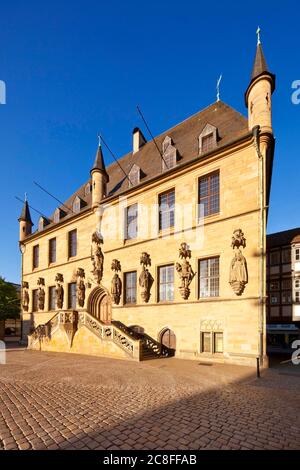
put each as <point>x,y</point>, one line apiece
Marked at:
<point>208,200</point>
<point>283,256</point>
<point>72,249</point>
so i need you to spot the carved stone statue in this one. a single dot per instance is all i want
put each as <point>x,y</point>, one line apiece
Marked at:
<point>97,257</point>
<point>59,291</point>
<point>41,293</point>
<point>238,240</point>
<point>25,296</point>
<point>80,291</point>
<point>185,271</point>
<point>116,283</point>
<point>238,276</point>
<point>145,279</point>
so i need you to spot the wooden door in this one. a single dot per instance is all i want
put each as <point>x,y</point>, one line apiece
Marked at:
<point>105,310</point>
<point>168,339</point>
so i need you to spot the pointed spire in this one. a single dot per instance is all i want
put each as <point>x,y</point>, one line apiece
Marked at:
<point>25,214</point>
<point>260,64</point>
<point>99,160</point>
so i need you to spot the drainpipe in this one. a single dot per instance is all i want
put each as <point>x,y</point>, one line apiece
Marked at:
<point>256,133</point>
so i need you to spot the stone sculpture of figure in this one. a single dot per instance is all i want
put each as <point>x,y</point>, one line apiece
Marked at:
<point>80,293</point>
<point>41,298</point>
<point>238,276</point>
<point>185,270</point>
<point>25,296</point>
<point>116,288</point>
<point>59,291</point>
<point>97,258</point>
<point>145,281</point>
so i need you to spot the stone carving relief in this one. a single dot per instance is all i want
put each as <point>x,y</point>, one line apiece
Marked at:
<point>97,257</point>
<point>116,283</point>
<point>41,294</point>
<point>185,271</point>
<point>80,290</point>
<point>59,291</point>
<point>69,323</point>
<point>145,280</point>
<point>25,296</point>
<point>238,275</point>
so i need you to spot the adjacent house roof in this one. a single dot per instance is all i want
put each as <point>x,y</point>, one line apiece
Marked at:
<point>283,238</point>
<point>230,124</point>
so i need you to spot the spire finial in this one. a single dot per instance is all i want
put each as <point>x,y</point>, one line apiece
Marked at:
<point>99,139</point>
<point>258,35</point>
<point>25,197</point>
<point>218,87</point>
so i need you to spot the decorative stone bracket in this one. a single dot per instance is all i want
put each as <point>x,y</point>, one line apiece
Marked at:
<point>68,322</point>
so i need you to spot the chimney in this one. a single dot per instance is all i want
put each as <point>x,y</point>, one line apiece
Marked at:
<point>138,139</point>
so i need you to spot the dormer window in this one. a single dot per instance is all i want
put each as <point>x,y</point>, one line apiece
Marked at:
<point>134,175</point>
<point>207,139</point>
<point>87,189</point>
<point>58,215</point>
<point>42,223</point>
<point>169,154</point>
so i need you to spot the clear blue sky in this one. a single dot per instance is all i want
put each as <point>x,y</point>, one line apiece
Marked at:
<point>73,68</point>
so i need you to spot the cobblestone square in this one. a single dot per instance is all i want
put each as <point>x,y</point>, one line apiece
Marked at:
<point>68,401</point>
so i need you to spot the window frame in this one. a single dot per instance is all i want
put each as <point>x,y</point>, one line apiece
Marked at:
<point>51,289</point>
<point>209,196</point>
<point>208,277</point>
<point>50,251</point>
<point>159,268</point>
<point>212,340</point>
<point>125,282</point>
<point>35,256</point>
<point>169,211</point>
<point>126,225</point>
<point>70,255</point>
<point>72,295</point>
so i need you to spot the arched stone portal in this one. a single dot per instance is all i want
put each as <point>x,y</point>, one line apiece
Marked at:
<point>99,305</point>
<point>167,338</point>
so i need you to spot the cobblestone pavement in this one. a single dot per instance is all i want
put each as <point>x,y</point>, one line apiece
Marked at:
<point>66,401</point>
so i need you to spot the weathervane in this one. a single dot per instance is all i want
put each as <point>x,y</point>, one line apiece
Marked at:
<point>25,197</point>
<point>99,139</point>
<point>258,35</point>
<point>218,87</point>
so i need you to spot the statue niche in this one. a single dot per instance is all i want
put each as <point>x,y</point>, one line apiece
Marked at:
<point>116,283</point>
<point>145,280</point>
<point>25,296</point>
<point>185,271</point>
<point>59,291</point>
<point>238,275</point>
<point>97,257</point>
<point>41,293</point>
<point>80,290</point>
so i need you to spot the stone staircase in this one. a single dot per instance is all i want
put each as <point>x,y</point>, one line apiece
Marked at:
<point>136,346</point>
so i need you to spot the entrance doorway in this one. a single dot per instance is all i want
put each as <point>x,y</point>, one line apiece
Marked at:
<point>99,305</point>
<point>168,339</point>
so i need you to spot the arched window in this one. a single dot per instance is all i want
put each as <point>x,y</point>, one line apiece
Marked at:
<point>134,175</point>
<point>169,154</point>
<point>207,139</point>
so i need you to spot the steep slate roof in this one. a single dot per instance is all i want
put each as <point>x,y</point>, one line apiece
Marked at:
<point>260,64</point>
<point>230,124</point>
<point>25,214</point>
<point>283,238</point>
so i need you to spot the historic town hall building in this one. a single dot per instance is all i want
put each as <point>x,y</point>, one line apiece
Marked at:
<point>162,253</point>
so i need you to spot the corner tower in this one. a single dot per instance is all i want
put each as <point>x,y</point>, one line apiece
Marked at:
<point>25,221</point>
<point>100,178</point>
<point>258,95</point>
